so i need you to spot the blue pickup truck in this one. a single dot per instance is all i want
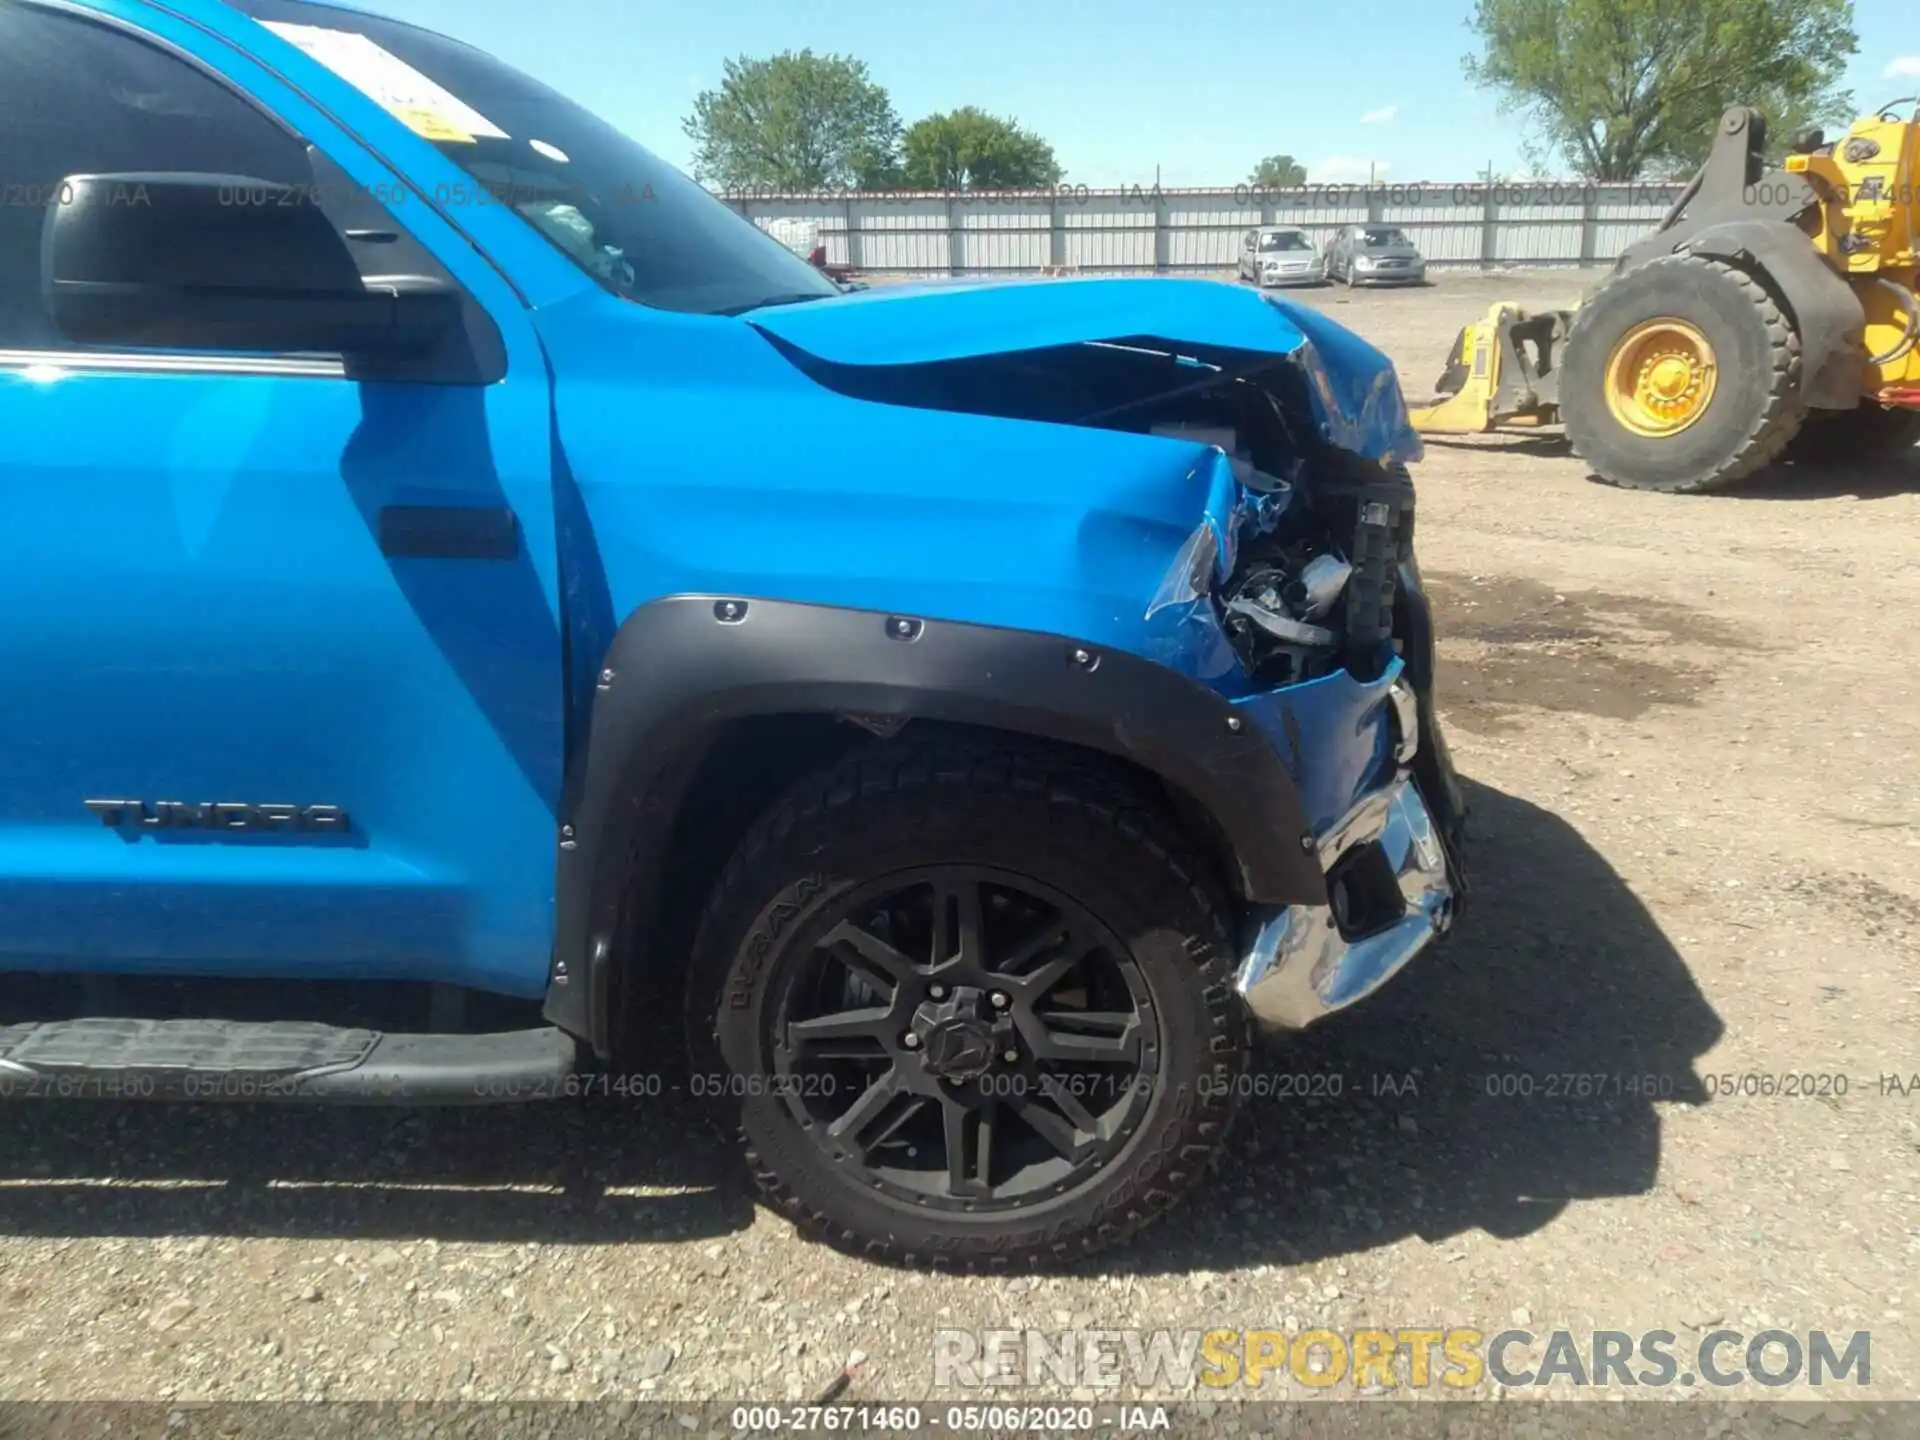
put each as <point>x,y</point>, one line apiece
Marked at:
<point>447,548</point>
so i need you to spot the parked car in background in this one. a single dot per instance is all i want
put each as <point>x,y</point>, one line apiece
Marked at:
<point>1280,255</point>
<point>1374,255</point>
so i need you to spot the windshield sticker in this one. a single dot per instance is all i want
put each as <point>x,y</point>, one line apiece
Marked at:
<point>425,107</point>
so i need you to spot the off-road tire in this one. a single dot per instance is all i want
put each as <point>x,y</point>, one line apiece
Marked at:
<point>1068,822</point>
<point>1755,410</point>
<point>1842,437</point>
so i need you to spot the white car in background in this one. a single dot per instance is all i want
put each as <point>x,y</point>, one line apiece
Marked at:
<point>1280,255</point>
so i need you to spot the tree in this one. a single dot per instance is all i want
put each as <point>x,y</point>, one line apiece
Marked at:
<point>877,168</point>
<point>968,149</point>
<point>1622,88</point>
<point>1278,172</point>
<point>797,121</point>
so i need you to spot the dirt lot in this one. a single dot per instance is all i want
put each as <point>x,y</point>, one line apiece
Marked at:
<point>1689,729</point>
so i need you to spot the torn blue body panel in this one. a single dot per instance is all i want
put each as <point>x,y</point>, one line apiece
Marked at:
<point>1334,735</point>
<point>1353,388</point>
<point>1183,625</point>
<point>1331,731</point>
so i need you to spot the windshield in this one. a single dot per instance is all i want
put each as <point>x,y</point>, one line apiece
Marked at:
<point>1385,237</point>
<point>1284,240</point>
<point>626,217</point>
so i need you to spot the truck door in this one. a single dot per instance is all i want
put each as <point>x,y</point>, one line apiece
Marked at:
<point>282,691</point>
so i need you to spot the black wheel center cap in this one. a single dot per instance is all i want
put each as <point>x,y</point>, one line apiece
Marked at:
<point>958,1049</point>
<point>961,1036</point>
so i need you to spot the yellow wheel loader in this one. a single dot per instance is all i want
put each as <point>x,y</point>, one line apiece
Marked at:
<point>1772,308</point>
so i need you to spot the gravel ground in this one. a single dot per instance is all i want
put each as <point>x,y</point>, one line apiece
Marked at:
<point>1686,728</point>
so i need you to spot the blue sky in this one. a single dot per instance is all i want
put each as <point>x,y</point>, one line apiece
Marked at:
<point>1198,88</point>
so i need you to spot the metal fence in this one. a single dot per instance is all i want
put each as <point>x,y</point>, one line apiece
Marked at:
<point>1148,229</point>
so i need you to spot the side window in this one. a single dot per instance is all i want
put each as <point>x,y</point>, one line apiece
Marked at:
<point>80,97</point>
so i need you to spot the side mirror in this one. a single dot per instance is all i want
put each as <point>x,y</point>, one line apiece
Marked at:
<point>173,260</point>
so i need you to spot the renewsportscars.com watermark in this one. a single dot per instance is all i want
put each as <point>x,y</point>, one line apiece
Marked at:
<point>1457,1358</point>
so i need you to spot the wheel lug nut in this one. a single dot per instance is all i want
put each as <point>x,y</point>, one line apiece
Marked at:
<point>910,1040</point>
<point>938,992</point>
<point>1000,1000</point>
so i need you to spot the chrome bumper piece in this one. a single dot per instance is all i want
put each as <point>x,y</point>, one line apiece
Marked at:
<point>1300,968</point>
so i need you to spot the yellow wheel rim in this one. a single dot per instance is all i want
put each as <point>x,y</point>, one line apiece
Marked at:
<point>1661,378</point>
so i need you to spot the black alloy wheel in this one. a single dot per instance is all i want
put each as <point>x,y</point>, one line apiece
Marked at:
<point>965,1038</point>
<point>969,1002</point>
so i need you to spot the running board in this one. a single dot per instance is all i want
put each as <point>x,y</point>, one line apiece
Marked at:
<point>112,1059</point>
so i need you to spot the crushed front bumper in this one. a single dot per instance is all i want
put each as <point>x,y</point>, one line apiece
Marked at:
<point>1385,847</point>
<point>1301,967</point>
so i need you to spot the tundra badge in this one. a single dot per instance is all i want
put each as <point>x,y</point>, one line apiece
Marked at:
<point>211,815</point>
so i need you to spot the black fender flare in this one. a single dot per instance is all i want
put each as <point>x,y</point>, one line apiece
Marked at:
<point>1831,320</point>
<point>682,667</point>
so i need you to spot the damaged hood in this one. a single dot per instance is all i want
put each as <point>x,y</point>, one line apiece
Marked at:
<point>1355,394</point>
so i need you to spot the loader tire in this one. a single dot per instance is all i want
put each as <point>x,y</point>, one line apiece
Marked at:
<point>1682,376</point>
<point>1842,437</point>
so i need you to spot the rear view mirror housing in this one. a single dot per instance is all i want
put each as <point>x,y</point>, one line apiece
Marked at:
<point>178,260</point>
